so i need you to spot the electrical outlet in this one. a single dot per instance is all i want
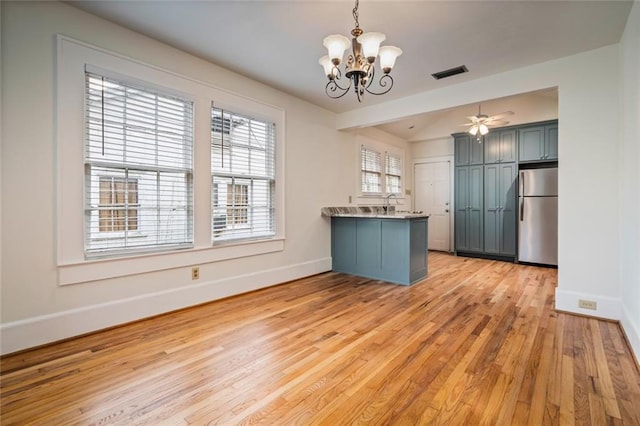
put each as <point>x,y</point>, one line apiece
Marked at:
<point>195,273</point>
<point>350,201</point>
<point>587,304</point>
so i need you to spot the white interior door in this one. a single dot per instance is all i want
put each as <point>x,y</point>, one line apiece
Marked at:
<point>432,195</point>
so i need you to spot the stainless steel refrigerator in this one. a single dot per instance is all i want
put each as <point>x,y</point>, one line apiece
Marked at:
<point>538,216</point>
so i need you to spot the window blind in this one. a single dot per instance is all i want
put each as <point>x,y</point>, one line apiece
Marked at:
<point>243,176</point>
<point>138,168</point>
<point>371,170</point>
<point>393,174</point>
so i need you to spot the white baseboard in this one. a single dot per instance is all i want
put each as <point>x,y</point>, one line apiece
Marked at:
<point>632,331</point>
<point>31,332</point>
<point>607,307</point>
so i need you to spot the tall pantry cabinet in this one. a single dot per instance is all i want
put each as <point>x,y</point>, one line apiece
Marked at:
<point>485,194</point>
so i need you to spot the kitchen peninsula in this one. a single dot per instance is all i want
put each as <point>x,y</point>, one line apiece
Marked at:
<point>379,243</point>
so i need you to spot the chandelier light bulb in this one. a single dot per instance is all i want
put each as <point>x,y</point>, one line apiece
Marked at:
<point>371,44</point>
<point>336,44</point>
<point>326,63</point>
<point>473,130</point>
<point>388,55</point>
<point>483,129</point>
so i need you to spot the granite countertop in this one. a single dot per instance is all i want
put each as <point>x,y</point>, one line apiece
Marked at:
<point>371,212</point>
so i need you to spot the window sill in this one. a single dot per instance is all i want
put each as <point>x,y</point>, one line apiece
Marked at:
<point>100,269</point>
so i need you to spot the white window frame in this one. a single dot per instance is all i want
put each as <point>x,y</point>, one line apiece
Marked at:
<point>244,180</point>
<point>96,245</point>
<point>72,267</point>
<point>384,150</point>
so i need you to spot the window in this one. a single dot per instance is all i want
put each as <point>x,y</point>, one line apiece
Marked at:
<point>138,168</point>
<point>393,170</point>
<point>372,174</point>
<point>118,204</point>
<point>243,176</point>
<point>371,171</point>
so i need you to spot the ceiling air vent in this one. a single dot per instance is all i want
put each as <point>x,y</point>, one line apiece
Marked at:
<point>448,73</point>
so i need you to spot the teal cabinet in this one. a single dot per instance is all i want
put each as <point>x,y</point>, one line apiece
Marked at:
<point>500,146</point>
<point>551,141</point>
<point>469,201</point>
<point>343,243</point>
<point>538,143</point>
<point>468,150</point>
<point>393,250</point>
<point>500,209</point>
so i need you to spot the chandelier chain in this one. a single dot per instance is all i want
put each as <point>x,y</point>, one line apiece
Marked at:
<point>355,14</point>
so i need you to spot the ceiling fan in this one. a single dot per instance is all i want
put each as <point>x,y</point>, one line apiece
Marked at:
<point>480,123</point>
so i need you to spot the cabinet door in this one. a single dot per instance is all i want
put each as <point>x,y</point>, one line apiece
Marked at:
<point>476,150</point>
<point>500,146</point>
<point>368,247</point>
<point>467,150</point>
<point>343,244</point>
<point>492,209</point>
<point>499,212</point>
<point>551,142</point>
<point>475,225</point>
<point>508,147</point>
<point>492,147</point>
<point>461,153</point>
<point>461,205</point>
<point>507,193</point>
<point>531,143</point>
<point>394,250</point>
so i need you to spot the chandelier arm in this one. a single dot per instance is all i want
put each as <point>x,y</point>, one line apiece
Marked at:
<point>383,82</point>
<point>335,91</point>
<point>371,73</point>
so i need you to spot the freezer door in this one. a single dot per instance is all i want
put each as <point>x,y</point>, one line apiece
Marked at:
<point>538,230</point>
<point>538,182</point>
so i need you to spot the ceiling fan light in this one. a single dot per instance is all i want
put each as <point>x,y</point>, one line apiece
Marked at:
<point>483,129</point>
<point>326,63</point>
<point>371,44</point>
<point>336,44</point>
<point>388,56</point>
<point>473,130</point>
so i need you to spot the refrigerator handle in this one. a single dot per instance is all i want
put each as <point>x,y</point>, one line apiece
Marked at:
<point>521,183</point>
<point>521,209</point>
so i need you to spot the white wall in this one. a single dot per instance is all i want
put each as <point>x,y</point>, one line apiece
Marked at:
<point>630,180</point>
<point>383,138</point>
<point>587,84</point>
<point>35,309</point>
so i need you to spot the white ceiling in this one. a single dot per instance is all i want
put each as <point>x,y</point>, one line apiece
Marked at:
<point>279,42</point>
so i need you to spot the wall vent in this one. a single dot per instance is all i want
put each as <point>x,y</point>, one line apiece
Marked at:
<point>451,71</point>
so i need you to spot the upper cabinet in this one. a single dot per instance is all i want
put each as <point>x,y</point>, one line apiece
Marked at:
<point>468,150</point>
<point>538,143</point>
<point>500,146</point>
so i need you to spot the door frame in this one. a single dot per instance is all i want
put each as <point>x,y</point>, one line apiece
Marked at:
<point>439,159</point>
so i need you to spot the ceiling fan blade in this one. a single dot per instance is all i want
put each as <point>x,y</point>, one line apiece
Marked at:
<point>466,124</point>
<point>496,123</point>
<point>502,114</point>
<point>473,118</point>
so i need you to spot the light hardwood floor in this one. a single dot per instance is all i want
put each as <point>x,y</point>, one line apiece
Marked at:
<point>478,342</point>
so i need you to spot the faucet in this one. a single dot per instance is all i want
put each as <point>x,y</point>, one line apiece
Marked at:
<point>387,202</point>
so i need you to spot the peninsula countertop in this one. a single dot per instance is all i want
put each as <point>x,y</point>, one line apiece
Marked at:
<point>377,212</point>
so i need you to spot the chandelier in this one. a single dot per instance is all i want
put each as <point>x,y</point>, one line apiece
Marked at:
<point>360,68</point>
